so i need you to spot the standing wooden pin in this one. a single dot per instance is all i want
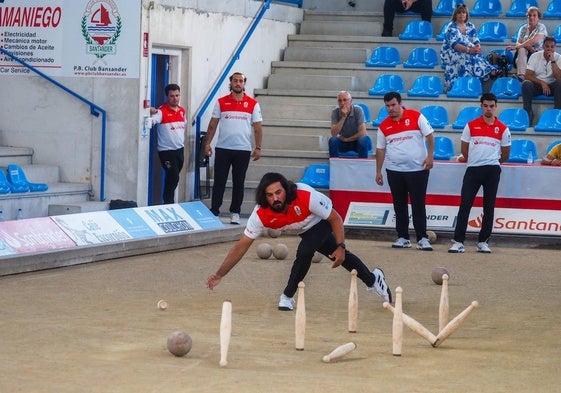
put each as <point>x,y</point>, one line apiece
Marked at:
<point>353,303</point>
<point>225,332</point>
<point>300,319</point>
<point>444,307</point>
<point>397,326</point>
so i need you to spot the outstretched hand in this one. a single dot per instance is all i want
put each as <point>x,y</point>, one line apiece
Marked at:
<point>212,281</point>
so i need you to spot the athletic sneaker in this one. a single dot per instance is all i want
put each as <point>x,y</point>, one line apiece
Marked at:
<point>380,285</point>
<point>456,247</point>
<point>286,303</point>
<point>424,244</point>
<point>483,247</point>
<point>235,219</point>
<point>402,243</point>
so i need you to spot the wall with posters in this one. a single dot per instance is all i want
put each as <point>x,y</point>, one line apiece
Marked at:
<point>101,49</point>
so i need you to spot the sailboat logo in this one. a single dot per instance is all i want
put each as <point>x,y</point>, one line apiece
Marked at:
<point>101,27</point>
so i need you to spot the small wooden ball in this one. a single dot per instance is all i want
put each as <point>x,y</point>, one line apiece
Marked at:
<point>280,251</point>
<point>437,274</point>
<point>179,343</point>
<point>264,251</point>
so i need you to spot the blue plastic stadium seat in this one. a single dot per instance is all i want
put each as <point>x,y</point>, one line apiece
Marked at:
<point>466,115</point>
<point>382,114</point>
<point>492,31</point>
<point>507,88</point>
<point>436,115</point>
<point>17,178</point>
<point>520,149</point>
<point>557,33</point>
<point>551,146</point>
<point>553,9</point>
<point>443,148</point>
<point>421,58</point>
<point>317,176</point>
<point>515,118</point>
<point>384,56</point>
<point>354,154</point>
<point>446,7</point>
<point>426,86</point>
<point>486,8</point>
<point>365,111</point>
<point>518,8</point>
<point>386,83</point>
<point>515,35</point>
<point>419,30</point>
<point>466,87</point>
<point>5,187</point>
<point>550,121</point>
<point>440,36</point>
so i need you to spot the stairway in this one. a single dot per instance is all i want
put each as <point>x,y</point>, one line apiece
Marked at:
<point>38,204</point>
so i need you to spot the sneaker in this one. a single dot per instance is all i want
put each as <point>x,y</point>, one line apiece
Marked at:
<point>402,243</point>
<point>380,285</point>
<point>235,219</point>
<point>456,247</point>
<point>483,247</point>
<point>286,303</point>
<point>424,244</point>
<point>386,33</point>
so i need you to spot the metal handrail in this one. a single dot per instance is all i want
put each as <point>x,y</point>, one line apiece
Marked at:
<point>95,110</point>
<point>212,92</point>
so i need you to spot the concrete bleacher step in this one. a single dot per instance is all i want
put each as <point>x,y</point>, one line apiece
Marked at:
<point>341,27</point>
<point>15,155</point>
<point>77,207</point>
<point>313,82</point>
<point>297,111</point>
<point>326,54</point>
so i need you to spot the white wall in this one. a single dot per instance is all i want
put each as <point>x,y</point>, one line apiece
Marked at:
<point>61,130</point>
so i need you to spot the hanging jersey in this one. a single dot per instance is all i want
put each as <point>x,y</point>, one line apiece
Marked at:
<point>171,127</point>
<point>309,208</point>
<point>485,141</point>
<point>235,121</point>
<point>404,141</point>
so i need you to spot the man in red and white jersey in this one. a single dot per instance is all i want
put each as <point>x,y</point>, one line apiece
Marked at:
<point>237,114</point>
<point>170,118</point>
<point>485,145</point>
<point>400,147</point>
<point>286,206</point>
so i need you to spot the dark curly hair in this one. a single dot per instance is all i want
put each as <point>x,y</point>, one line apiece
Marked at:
<point>267,180</point>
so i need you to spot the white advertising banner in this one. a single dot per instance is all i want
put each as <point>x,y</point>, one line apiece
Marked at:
<point>71,38</point>
<point>507,221</point>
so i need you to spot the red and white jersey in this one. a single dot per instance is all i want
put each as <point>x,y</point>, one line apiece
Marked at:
<point>171,127</point>
<point>404,141</point>
<point>235,121</point>
<point>309,208</point>
<point>485,141</point>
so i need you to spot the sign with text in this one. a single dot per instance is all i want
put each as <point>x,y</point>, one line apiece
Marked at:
<point>72,38</point>
<point>506,221</point>
<point>32,235</point>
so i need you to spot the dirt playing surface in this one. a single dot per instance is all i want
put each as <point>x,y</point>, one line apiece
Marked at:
<point>96,327</point>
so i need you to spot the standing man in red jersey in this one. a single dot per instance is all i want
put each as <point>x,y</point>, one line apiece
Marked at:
<point>237,114</point>
<point>400,145</point>
<point>170,118</point>
<point>485,146</point>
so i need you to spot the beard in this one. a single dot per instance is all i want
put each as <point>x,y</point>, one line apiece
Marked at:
<point>278,206</point>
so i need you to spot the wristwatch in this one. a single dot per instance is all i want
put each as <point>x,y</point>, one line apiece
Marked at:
<point>342,245</point>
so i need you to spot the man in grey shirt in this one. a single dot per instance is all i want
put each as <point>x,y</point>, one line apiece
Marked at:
<point>348,130</point>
